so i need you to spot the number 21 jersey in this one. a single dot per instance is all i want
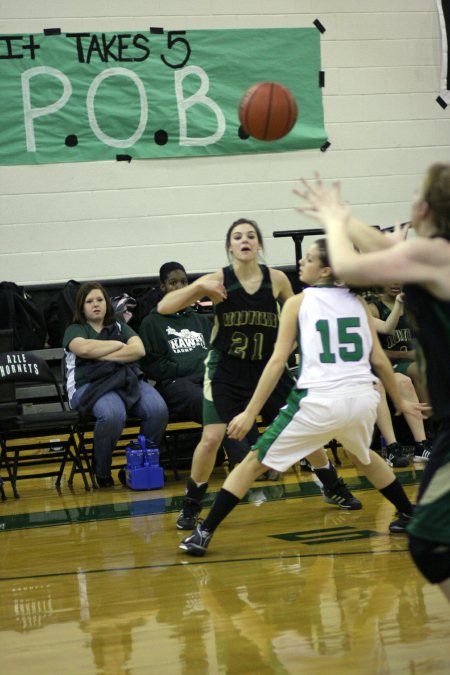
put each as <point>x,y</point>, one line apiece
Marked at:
<point>246,324</point>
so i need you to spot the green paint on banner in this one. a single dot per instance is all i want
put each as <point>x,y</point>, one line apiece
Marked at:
<point>89,96</point>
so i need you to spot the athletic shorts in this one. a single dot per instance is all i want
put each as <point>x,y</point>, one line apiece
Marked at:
<point>310,419</point>
<point>401,366</point>
<point>432,514</point>
<point>229,385</point>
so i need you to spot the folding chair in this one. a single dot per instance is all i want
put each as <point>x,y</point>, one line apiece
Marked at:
<point>7,390</point>
<point>28,373</point>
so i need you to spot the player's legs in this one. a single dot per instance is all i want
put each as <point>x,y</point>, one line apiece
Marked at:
<point>377,472</point>
<point>385,481</point>
<point>432,558</point>
<point>356,437</point>
<point>234,488</point>
<point>412,371</point>
<point>429,530</point>
<point>242,477</point>
<point>408,392</point>
<point>203,462</point>
<point>394,452</point>
<point>205,454</point>
<point>301,426</point>
<point>384,417</point>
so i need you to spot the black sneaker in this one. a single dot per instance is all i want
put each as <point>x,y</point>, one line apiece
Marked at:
<point>399,526</point>
<point>106,482</point>
<point>188,516</point>
<point>395,456</point>
<point>305,466</point>
<point>422,451</point>
<point>340,495</point>
<point>197,543</point>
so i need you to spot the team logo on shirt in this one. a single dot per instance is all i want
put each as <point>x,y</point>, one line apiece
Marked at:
<point>185,340</point>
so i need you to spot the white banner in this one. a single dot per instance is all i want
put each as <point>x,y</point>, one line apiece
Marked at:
<point>443,7</point>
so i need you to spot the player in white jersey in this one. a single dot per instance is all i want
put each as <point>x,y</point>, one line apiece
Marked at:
<point>334,396</point>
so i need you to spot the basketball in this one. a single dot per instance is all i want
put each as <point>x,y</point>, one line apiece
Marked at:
<point>267,111</point>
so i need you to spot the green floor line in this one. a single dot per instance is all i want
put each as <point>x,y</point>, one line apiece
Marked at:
<point>155,506</point>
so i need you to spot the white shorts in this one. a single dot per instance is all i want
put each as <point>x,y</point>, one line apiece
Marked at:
<point>310,420</point>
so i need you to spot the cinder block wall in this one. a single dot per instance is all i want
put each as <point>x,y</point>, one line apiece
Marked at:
<point>108,220</point>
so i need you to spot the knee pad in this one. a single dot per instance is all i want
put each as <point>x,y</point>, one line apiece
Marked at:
<point>431,558</point>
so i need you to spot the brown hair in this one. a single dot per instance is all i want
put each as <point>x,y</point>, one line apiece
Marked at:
<point>83,292</point>
<point>323,252</point>
<point>436,192</point>
<point>325,262</point>
<point>243,221</point>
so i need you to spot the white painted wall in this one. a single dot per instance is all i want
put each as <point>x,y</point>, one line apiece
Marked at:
<point>107,220</point>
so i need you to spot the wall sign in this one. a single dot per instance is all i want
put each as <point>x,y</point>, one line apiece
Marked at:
<point>75,97</point>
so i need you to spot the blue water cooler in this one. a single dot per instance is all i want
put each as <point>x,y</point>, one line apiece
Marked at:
<point>143,471</point>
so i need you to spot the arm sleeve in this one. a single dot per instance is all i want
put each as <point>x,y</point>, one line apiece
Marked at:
<point>73,331</point>
<point>126,331</point>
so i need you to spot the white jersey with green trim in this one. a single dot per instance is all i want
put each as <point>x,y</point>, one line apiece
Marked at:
<point>335,341</point>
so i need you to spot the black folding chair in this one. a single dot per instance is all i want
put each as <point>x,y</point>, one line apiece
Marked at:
<point>7,390</point>
<point>41,411</point>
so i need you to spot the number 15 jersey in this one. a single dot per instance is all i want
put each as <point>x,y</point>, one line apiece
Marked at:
<point>335,341</point>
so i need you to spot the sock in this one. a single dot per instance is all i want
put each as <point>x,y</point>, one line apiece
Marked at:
<point>395,494</point>
<point>223,504</point>
<point>195,490</point>
<point>327,475</point>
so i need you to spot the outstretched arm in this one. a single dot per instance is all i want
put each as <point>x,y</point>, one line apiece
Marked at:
<point>365,237</point>
<point>419,260</point>
<point>210,285</point>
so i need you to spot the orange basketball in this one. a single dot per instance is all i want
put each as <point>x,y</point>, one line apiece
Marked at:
<point>267,111</point>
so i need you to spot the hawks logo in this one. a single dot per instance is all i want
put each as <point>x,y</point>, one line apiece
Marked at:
<point>185,340</point>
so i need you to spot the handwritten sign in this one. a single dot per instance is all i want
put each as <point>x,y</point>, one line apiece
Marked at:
<point>75,97</point>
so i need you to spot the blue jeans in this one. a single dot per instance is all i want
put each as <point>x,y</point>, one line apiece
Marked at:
<point>110,419</point>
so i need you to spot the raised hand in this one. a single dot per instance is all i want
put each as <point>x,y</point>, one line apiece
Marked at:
<point>322,202</point>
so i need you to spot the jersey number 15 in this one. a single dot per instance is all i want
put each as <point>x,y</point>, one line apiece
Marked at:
<point>346,353</point>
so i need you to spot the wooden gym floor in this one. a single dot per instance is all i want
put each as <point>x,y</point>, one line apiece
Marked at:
<point>95,583</point>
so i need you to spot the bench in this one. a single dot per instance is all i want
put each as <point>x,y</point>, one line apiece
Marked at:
<point>43,455</point>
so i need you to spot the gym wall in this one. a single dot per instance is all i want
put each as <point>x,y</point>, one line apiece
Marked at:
<point>111,220</point>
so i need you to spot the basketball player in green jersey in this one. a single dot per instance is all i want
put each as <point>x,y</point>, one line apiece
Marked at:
<point>246,296</point>
<point>422,264</point>
<point>334,396</point>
